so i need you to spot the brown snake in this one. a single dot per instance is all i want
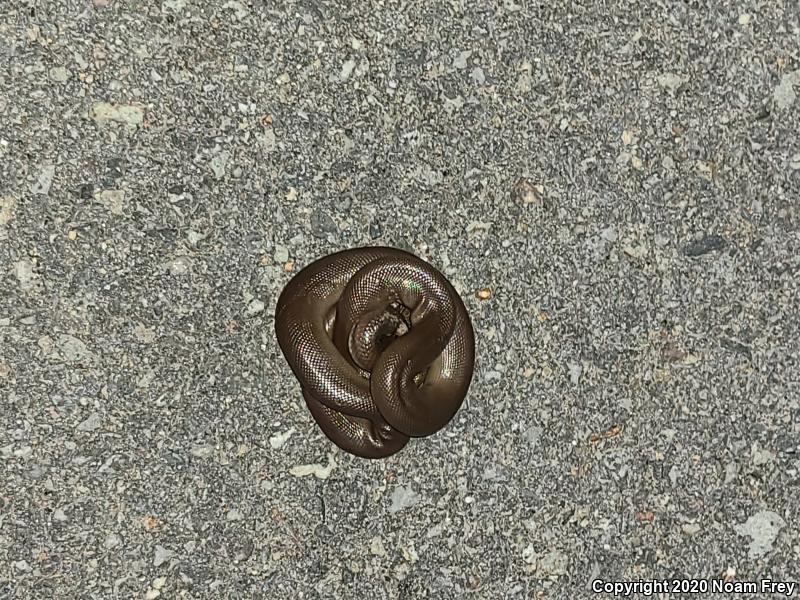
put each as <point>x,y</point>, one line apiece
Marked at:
<point>382,346</point>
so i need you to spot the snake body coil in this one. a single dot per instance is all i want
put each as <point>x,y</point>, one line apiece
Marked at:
<point>382,346</point>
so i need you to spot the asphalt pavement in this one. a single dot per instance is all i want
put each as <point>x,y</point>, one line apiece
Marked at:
<point>613,187</point>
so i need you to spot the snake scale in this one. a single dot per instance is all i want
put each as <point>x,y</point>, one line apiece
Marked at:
<point>381,344</point>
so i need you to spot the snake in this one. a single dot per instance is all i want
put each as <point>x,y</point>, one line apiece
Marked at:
<point>381,344</point>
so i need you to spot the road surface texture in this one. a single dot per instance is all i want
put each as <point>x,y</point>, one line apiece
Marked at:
<point>612,187</point>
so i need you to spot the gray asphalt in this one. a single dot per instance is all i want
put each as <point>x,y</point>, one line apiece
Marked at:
<point>611,186</point>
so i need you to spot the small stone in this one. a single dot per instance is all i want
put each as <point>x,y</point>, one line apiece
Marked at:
<point>59,515</point>
<point>279,439</point>
<point>174,5</point>
<point>483,293</point>
<point>21,565</point>
<point>690,528</point>
<point>46,344</point>
<point>609,234</point>
<point>526,191</point>
<point>375,230</point>
<point>553,563</point>
<point>128,114</point>
<point>763,529</point>
<point>668,163</point>
<point>460,61</point>
<point>179,266</point>
<point>152,594</point>
<point>242,549</point>
<point>376,546</point>
<point>347,70</point>
<point>112,200</point>
<point>23,452</point>
<point>281,253</point>
<point>672,82</point>
<point>533,434</point>
<point>760,456</point>
<point>93,422</point>
<point>149,522</point>
<point>524,83</point>
<point>674,474</point>
<point>575,371</point>
<point>23,271</point>
<point>316,469</point>
<point>44,180</point>
<point>529,554</point>
<point>158,583</point>
<point>37,472</point>
<point>401,571</point>
<point>144,334</point>
<point>672,353</point>
<point>705,169</point>
<point>219,162</point>
<point>628,137</point>
<point>478,226</point>
<point>731,471</point>
<point>255,307</point>
<point>402,498</point>
<point>268,140</point>
<point>291,194</point>
<point>161,556</point>
<point>72,349</point>
<point>784,94</point>
<point>146,379</point>
<point>59,74</point>
<point>72,235</point>
<point>478,76</point>
<point>7,204</point>
<point>709,243</point>
<point>112,541</point>
<point>409,553</point>
<point>322,224</point>
<point>744,19</point>
<point>116,167</point>
<point>635,251</point>
<point>234,515</point>
<point>202,450</point>
<point>195,237</point>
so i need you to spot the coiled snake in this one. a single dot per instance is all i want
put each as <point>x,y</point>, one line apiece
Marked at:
<point>381,344</point>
